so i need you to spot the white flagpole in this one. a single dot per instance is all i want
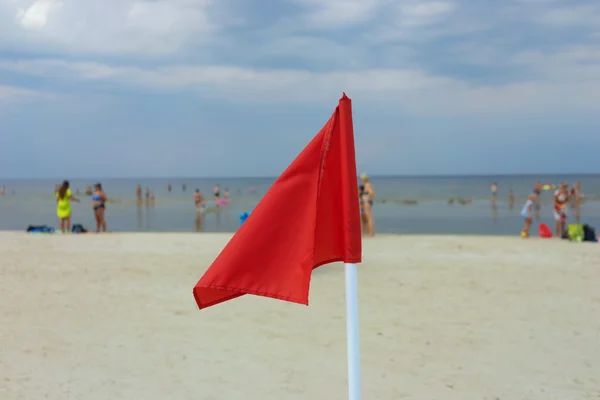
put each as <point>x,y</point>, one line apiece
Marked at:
<point>354,391</point>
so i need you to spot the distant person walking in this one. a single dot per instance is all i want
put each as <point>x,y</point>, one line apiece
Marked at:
<point>367,203</point>
<point>561,199</point>
<point>217,194</point>
<point>199,202</point>
<point>138,193</point>
<point>494,189</point>
<point>63,206</point>
<point>363,217</point>
<point>537,206</point>
<point>576,200</point>
<point>527,214</point>
<point>98,203</point>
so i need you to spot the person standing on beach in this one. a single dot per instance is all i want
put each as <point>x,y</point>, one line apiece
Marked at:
<point>363,217</point>
<point>527,213</point>
<point>367,203</point>
<point>138,193</point>
<point>537,190</point>
<point>576,200</point>
<point>511,199</point>
<point>98,200</point>
<point>561,199</point>
<point>63,206</point>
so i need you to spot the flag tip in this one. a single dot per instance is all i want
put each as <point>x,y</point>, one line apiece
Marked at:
<point>344,95</point>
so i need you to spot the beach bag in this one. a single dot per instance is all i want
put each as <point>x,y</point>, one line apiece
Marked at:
<point>545,231</point>
<point>40,229</point>
<point>589,234</point>
<point>575,232</point>
<point>78,228</point>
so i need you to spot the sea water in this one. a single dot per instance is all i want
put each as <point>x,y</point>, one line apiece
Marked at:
<point>407,205</point>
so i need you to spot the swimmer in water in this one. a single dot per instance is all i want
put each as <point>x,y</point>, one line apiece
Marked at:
<point>199,201</point>
<point>511,199</point>
<point>138,192</point>
<point>226,194</point>
<point>494,190</point>
<point>217,194</point>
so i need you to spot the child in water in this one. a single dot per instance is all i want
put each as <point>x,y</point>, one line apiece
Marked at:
<point>527,213</point>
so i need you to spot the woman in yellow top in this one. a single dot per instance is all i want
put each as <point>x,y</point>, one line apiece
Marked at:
<point>63,206</point>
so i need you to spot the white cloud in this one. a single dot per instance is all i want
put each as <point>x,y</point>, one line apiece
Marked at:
<point>36,16</point>
<point>335,13</point>
<point>106,26</point>
<point>416,20</point>
<point>427,10</point>
<point>12,94</point>
<point>571,16</point>
<point>413,91</point>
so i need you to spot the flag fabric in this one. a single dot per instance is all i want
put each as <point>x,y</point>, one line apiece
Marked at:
<point>309,217</point>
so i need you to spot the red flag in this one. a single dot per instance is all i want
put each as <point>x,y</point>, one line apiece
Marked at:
<point>308,218</point>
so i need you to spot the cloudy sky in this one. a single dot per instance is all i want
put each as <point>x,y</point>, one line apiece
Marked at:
<point>119,88</point>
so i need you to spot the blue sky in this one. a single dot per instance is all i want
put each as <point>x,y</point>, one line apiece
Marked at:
<point>122,88</point>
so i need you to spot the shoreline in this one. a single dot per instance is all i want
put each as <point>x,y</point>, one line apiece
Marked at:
<point>379,235</point>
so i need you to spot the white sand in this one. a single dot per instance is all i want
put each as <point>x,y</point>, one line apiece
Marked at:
<point>113,317</point>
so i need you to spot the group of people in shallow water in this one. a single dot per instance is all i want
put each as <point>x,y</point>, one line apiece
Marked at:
<point>200,201</point>
<point>64,196</point>
<point>563,197</point>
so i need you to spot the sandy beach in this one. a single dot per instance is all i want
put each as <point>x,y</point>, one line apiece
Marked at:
<point>112,317</point>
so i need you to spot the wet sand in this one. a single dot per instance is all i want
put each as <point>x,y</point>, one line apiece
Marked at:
<point>112,317</point>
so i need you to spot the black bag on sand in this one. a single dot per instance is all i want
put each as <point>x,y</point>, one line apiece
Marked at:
<point>78,228</point>
<point>40,229</point>
<point>589,234</point>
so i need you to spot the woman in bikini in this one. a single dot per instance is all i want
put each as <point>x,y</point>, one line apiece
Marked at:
<point>367,204</point>
<point>561,199</point>
<point>98,203</point>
